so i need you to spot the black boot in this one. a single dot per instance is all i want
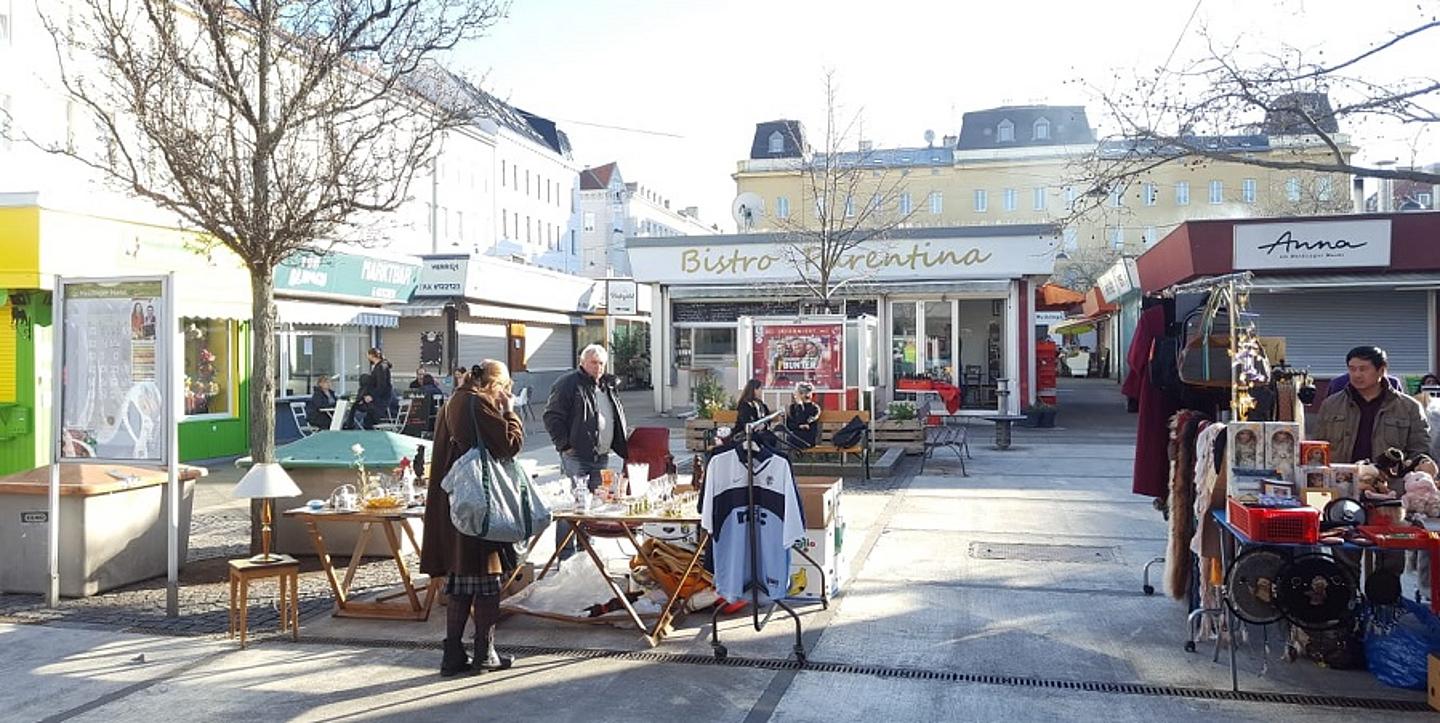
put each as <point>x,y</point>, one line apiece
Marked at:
<point>487,615</point>
<point>454,661</point>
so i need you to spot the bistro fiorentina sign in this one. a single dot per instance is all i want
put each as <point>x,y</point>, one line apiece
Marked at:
<point>933,258</point>
<point>1312,244</point>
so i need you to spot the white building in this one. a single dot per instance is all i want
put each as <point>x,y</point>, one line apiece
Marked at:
<point>613,210</point>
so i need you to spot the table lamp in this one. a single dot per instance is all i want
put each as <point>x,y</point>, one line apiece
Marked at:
<point>265,480</point>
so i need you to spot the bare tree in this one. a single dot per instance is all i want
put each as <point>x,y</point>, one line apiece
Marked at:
<point>849,205</point>
<point>273,126</point>
<point>1212,109</point>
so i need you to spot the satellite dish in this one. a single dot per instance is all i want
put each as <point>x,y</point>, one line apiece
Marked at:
<point>746,210</point>
<point>929,137</point>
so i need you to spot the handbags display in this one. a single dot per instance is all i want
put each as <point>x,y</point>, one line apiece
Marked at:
<point>492,499</point>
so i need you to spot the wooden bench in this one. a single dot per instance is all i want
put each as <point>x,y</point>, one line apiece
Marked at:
<point>955,437</point>
<point>831,421</point>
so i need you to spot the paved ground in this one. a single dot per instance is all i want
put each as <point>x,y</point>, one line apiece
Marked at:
<point>949,616</point>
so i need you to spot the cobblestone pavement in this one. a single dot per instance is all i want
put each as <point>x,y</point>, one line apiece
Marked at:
<point>215,538</point>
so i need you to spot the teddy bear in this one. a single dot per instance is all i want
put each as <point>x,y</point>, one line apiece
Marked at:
<point>1371,483</point>
<point>1421,494</point>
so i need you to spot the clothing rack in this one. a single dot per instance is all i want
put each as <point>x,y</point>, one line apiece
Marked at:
<point>1239,278</point>
<point>744,440</point>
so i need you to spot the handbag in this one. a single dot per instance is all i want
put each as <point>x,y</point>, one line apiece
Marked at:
<point>492,498</point>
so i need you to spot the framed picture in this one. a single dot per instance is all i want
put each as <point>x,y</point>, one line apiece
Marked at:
<point>1314,453</point>
<point>1317,477</point>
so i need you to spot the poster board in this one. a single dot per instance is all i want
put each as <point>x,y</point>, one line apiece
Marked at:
<point>114,356</point>
<point>783,352</point>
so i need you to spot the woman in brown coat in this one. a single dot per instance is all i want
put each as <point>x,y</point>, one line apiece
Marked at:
<point>479,409</point>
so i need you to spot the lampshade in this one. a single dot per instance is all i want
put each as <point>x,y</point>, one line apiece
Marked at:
<point>267,479</point>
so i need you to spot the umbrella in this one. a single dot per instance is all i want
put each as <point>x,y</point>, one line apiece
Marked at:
<point>332,448</point>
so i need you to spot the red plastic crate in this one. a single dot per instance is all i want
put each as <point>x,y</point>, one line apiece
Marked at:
<point>1297,525</point>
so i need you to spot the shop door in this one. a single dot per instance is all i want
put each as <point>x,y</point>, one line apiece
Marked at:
<point>1320,326</point>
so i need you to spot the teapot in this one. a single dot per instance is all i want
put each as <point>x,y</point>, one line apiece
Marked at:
<point>344,499</point>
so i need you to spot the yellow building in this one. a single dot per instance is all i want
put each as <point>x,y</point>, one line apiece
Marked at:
<point>1028,165</point>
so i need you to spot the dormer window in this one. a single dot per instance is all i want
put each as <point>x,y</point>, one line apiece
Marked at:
<point>1005,132</point>
<point>777,142</point>
<point>1042,130</point>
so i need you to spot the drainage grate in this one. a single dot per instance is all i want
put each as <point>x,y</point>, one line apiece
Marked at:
<point>1043,553</point>
<point>1013,681</point>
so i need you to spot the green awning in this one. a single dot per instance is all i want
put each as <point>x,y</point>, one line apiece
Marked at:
<point>332,449</point>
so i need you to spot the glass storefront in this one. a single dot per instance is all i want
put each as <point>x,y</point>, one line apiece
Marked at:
<point>903,336</point>
<point>964,345</point>
<point>309,353</point>
<point>208,365</point>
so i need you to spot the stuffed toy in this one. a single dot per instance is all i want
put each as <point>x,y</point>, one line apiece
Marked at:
<point>1371,483</point>
<point>1421,494</point>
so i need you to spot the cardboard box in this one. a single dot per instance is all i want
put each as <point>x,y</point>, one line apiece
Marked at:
<point>820,500</point>
<point>1245,445</point>
<point>1433,684</point>
<point>805,580</point>
<point>1282,448</point>
<point>826,544</point>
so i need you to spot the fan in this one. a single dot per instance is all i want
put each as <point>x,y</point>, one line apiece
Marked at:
<point>1343,512</point>
<point>1250,585</point>
<point>1316,593</point>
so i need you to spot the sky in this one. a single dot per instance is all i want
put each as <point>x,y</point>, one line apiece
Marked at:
<point>691,78</point>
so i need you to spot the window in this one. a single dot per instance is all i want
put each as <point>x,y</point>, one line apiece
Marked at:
<point>982,200</point>
<point>1150,235</point>
<point>777,142</point>
<point>1217,192</point>
<point>1247,190</point>
<point>849,207</point>
<point>1147,191</point>
<point>514,176</point>
<point>937,202</point>
<point>527,183</point>
<point>1292,188</point>
<point>1324,188</point>
<point>1117,196</point>
<point>207,366</point>
<point>502,172</point>
<point>1182,193</point>
<point>1042,130</point>
<point>1070,241</point>
<point>1008,198</point>
<point>1117,237</point>
<point>1039,201</point>
<point>1069,198</point>
<point>782,207</point>
<point>905,204</point>
<point>1424,200</point>
<point>1005,133</point>
<point>820,207</point>
<point>527,229</point>
<point>903,333</point>
<point>460,224</point>
<point>589,220</point>
<point>308,353</point>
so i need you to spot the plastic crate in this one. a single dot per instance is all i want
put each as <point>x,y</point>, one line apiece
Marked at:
<point>1296,525</point>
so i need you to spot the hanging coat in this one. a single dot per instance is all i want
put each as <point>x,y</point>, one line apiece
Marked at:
<point>1151,474</point>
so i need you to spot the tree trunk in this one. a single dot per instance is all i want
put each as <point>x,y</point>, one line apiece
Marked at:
<point>262,381</point>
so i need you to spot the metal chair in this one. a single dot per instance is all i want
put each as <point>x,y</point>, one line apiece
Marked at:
<point>398,423</point>
<point>302,419</point>
<point>522,403</point>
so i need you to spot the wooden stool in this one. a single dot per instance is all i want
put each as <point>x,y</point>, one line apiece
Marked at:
<point>243,571</point>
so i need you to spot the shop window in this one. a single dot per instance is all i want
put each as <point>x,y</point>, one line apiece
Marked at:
<point>939,340</point>
<point>714,342</point>
<point>207,366</point>
<point>905,349</point>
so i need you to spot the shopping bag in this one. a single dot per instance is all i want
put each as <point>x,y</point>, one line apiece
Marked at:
<point>1398,640</point>
<point>492,499</point>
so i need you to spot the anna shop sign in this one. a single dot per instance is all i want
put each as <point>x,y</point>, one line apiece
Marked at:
<point>1312,244</point>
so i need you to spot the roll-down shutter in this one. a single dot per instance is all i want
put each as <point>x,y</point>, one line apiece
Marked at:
<point>548,348</point>
<point>480,340</point>
<point>1320,326</point>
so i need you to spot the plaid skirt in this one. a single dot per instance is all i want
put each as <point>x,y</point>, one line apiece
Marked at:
<point>473,585</point>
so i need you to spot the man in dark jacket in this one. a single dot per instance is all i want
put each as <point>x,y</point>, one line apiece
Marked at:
<point>586,423</point>
<point>584,417</point>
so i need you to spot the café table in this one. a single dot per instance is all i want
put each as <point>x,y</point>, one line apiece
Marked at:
<point>391,522</point>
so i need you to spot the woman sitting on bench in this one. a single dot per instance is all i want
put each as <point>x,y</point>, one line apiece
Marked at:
<point>750,407</point>
<point>802,419</point>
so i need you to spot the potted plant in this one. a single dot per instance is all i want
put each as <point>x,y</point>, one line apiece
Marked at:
<point>1032,415</point>
<point>1040,415</point>
<point>900,411</point>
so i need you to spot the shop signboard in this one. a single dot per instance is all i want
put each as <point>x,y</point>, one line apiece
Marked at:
<point>443,276</point>
<point>1312,245</point>
<point>784,354</point>
<point>917,254</point>
<point>114,354</point>
<point>621,297</point>
<point>349,276</point>
<point>1120,279</point>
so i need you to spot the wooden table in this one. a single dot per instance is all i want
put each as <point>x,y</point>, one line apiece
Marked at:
<point>414,608</point>
<point>584,525</point>
<point>287,569</point>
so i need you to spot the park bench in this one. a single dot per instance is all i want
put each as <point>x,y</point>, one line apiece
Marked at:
<point>831,420</point>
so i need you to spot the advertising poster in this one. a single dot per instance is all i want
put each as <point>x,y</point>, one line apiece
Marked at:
<point>790,353</point>
<point>112,400</point>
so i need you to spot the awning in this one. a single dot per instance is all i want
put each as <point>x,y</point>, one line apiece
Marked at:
<point>1079,324</point>
<point>516,313</point>
<point>861,289</point>
<point>291,311</point>
<point>429,307</point>
<point>1054,297</point>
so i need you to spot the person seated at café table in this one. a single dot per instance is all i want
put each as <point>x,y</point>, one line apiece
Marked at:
<point>320,408</point>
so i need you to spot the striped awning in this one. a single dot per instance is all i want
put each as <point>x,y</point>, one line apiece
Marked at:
<point>292,311</point>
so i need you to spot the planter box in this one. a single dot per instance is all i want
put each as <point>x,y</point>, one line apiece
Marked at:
<point>112,531</point>
<point>696,432</point>
<point>906,434</point>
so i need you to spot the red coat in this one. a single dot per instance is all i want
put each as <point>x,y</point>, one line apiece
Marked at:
<point>1151,475</point>
<point>445,550</point>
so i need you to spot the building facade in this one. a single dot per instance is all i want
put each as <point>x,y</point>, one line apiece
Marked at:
<point>612,210</point>
<point>1017,165</point>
